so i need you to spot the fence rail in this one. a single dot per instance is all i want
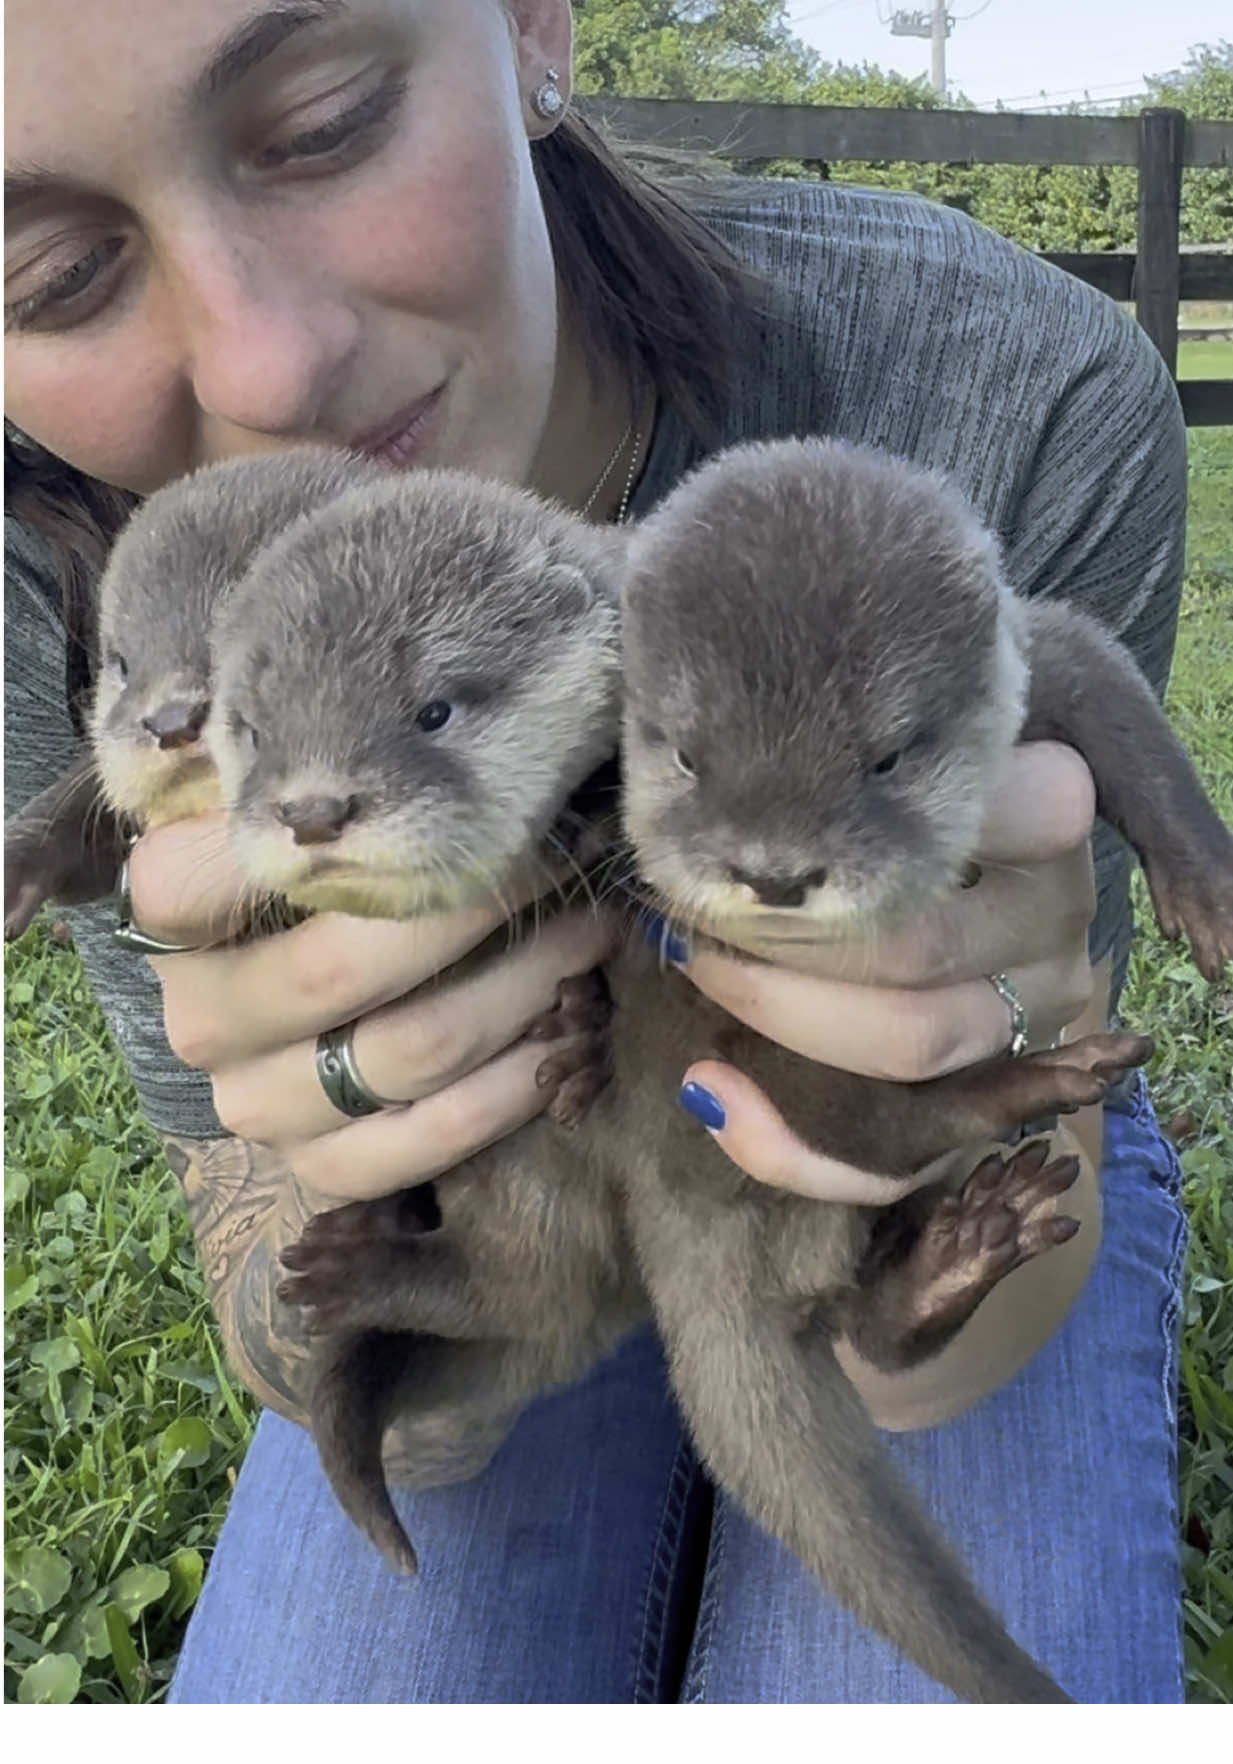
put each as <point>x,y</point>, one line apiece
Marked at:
<point>1159,142</point>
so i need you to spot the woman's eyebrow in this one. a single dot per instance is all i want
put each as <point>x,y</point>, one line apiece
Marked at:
<point>256,38</point>
<point>240,51</point>
<point>25,184</point>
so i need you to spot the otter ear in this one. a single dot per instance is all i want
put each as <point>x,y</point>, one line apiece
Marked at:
<point>594,580</point>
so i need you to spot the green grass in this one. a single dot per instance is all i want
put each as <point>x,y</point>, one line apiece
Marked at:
<point>123,1431</point>
<point>1190,1078</point>
<point>1210,360</point>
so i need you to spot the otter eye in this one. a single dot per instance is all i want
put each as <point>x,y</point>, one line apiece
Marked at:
<point>119,666</point>
<point>243,730</point>
<point>684,764</point>
<point>885,766</point>
<point>434,715</point>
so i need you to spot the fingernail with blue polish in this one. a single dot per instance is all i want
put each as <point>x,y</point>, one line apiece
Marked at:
<point>660,936</point>
<point>706,1108</point>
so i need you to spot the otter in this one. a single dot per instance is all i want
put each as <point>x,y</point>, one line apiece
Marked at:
<point>824,670</point>
<point>178,556</point>
<point>467,673</point>
<point>462,640</point>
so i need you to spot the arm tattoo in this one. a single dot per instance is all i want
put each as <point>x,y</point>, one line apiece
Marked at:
<point>244,1204</point>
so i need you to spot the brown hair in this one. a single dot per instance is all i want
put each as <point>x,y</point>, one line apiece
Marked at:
<point>664,297</point>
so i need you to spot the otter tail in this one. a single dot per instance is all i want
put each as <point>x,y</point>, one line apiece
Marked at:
<point>783,1430</point>
<point>358,1383</point>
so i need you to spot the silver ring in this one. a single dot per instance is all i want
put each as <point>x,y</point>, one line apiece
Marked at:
<point>130,936</point>
<point>1006,990</point>
<point>340,1078</point>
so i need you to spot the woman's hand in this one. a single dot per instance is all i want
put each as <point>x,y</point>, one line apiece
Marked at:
<point>913,1003</point>
<point>250,1016</point>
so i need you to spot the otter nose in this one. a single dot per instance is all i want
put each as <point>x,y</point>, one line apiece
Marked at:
<point>177,723</point>
<point>315,820</point>
<point>779,891</point>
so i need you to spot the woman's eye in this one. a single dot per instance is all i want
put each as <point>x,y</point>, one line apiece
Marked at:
<point>352,128</point>
<point>684,764</point>
<point>69,294</point>
<point>434,715</point>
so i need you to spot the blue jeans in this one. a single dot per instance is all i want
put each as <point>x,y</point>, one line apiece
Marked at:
<point>590,1562</point>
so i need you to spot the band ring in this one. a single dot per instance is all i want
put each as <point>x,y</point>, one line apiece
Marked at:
<point>130,935</point>
<point>1008,992</point>
<point>340,1078</point>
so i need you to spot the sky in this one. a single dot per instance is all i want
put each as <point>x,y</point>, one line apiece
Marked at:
<point>1016,49</point>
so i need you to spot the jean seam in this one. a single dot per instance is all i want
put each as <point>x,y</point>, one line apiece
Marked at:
<point>1165,1169</point>
<point>664,1559</point>
<point>697,1671</point>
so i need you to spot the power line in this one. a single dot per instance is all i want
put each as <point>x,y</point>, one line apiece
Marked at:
<point>1041,99</point>
<point>819,11</point>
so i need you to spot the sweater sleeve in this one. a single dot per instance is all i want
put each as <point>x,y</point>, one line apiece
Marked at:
<point>1101,523</point>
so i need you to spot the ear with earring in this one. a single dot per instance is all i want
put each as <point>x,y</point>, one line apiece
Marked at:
<point>546,100</point>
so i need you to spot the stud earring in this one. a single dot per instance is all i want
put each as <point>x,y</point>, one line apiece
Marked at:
<point>547,101</point>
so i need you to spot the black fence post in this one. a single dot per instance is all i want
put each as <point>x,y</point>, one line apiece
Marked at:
<point>1157,279</point>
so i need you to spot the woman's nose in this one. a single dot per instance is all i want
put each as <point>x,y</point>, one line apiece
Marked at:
<point>266,342</point>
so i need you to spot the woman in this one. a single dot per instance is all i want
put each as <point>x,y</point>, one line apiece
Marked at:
<point>235,227</point>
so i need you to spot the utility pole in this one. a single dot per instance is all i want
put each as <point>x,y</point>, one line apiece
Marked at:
<point>935,24</point>
<point>937,42</point>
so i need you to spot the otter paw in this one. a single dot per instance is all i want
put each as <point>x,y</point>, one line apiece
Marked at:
<point>583,1006</point>
<point>576,1073</point>
<point>1062,1079</point>
<point>352,1266</point>
<point>1197,902</point>
<point>1001,1217</point>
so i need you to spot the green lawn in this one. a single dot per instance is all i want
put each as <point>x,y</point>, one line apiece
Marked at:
<point>123,1431</point>
<point>1210,360</point>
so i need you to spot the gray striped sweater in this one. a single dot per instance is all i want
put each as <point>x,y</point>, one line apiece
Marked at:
<point>896,323</point>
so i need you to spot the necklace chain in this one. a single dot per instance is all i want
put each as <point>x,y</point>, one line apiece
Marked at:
<point>631,428</point>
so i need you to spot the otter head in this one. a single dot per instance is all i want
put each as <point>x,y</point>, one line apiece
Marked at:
<point>822,676</point>
<point>409,685</point>
<point>175,562</point>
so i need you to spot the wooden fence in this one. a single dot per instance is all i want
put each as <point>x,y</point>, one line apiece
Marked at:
<point>1158,142</point>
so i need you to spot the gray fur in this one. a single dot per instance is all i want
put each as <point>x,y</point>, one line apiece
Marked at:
<point>428,588</point>
<point>795,613</point>
<point>169,572</point>
<point>178,557</point>
<point>531,1267</point>
<point>790,683</point>
<point>435,588</point>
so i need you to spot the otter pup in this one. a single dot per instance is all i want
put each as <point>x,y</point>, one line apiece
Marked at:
<point>178,556</point>
<point>824,670</point>
<point>405,604</point>
<point>462,640</point>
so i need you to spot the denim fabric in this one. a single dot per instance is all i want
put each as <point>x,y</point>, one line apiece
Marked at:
<point>589,1563</point>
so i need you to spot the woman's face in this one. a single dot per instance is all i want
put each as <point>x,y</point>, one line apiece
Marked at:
<point>239,223</point>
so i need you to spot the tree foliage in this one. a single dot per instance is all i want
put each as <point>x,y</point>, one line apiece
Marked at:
<point>745,50</point>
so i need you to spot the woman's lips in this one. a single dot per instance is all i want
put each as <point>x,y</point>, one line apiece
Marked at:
<point>397,442</point>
